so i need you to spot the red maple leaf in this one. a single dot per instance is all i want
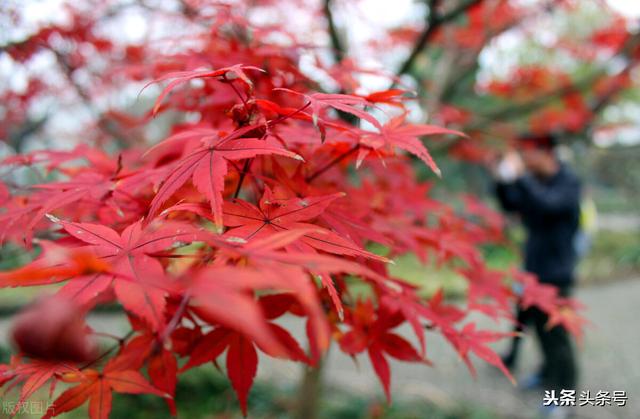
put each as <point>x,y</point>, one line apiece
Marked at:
<point>396,133</point>
<point>227,74</point>
<point>138,278</point>
<point>469,339</point>
<point>371,331</point>
<point>97,387</point>
<point>56,263</point>
<point>34,374</point>
<point>206,166</point>
<point>318,102</point>
<point>162,365</point>
<point>273,215</point>
<point>242,360</point>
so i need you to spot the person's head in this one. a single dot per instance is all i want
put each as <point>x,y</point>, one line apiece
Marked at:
<point>538,155</point>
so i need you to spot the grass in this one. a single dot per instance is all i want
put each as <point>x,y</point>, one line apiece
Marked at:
<point>613,255</point>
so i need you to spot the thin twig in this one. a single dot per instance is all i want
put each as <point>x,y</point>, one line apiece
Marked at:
<point>338,47</point>
<point>333,163</point>
<point>433,23</point>
<point>106,353</point>
<point>173,323</point>
<point>102,122</point>
<point>243,174</point>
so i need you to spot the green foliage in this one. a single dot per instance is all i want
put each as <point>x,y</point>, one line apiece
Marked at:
<point>614,255</point>
<point>13,256</point>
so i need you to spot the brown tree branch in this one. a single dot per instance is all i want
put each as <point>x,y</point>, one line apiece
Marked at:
<point>17,138</point>
<point>600,103</point>
<point>434,22</point>
<point>103,123</point>
<point>332,163</point>
<point>337,46</point>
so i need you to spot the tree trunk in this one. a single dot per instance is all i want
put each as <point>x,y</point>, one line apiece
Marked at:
<point>309,392</point>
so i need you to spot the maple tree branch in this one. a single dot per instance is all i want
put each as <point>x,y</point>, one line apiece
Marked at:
<point>433,23</point>
<point>237,92</point>
<point>603,101</point>
<point>173,323</point>
<point>510,111</point>
<point>106,353</point>
<point>339,51</point>
<point>243,174</point>
<point>103,123</point>
<point>433,5</point>
<point>187,10</point>
<point>338,48</point>
<point>309,392</point>
<point>289,115</point>
<point>30,126</point>
<point>596,107</point>
<point>333,163</point>
<point>471,68</point>
<point>456,82</point>
<point>107,335</point>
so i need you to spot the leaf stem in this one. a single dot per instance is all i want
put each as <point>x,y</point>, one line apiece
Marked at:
<point>333,163</point>
<point>103,355</point>
<point>235,89</point>
<point>173,323</point>
<point>284,117</point>
<point>245,170</point>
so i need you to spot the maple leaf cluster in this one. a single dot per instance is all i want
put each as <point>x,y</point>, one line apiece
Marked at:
<point>266,205</point>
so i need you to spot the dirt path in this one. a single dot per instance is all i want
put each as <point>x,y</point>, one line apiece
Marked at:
<point>609,360</point>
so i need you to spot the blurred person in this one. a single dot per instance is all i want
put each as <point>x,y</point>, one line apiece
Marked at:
<point>545,193</point>
<point>588,224</point>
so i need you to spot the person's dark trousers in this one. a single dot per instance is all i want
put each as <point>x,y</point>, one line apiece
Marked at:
<point>521,321</point>
<point>559,370</point>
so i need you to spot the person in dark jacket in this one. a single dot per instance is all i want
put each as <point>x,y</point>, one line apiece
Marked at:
<point>545,193</point>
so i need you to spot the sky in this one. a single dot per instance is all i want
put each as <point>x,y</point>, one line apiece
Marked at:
<point>385,14</point>
<point>627,7</point>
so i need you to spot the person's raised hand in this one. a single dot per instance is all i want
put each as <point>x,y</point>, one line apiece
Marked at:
<point>509,168</point>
